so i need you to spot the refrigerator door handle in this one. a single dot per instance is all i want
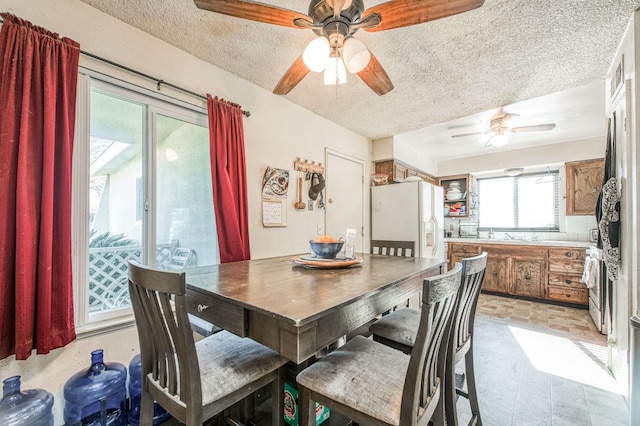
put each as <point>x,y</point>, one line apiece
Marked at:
<point>436,237</point>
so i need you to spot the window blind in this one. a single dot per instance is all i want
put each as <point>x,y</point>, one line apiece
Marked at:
<point>529,202</point>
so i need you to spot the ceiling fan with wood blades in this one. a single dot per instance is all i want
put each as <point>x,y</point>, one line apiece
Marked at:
<point>500,128</point>
<point>335,22</point>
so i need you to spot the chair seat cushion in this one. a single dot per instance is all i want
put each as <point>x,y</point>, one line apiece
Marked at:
<point>228,362</point>
<point>399,326</point>
<point>364,375</point>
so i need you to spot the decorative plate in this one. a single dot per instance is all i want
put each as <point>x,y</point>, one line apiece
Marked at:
<point>318,263</point>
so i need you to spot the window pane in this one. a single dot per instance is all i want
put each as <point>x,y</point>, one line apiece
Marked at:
<point>496,203</point>
<point>523,203</point>
<point>185,222</point>
<point>535,204</point>
<point>116,130</point>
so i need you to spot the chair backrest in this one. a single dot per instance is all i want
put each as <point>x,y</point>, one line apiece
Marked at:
<point>167,347</point>
<point>473,269</point>
<point>424,383</point>
<point>393,248</point>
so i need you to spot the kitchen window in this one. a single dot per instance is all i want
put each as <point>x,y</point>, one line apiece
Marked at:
<point>521,203</point>
<point>142,191</point>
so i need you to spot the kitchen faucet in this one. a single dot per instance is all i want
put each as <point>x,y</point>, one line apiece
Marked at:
<point>508,237</point>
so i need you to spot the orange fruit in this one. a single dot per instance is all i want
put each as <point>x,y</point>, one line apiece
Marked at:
<point>325,239</point>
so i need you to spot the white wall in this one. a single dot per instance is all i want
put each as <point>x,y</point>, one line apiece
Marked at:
<point>395,148</point>
<point>276,133</point>
<point>583,149</point>
<point>382,149</point>
<point>409,154</point>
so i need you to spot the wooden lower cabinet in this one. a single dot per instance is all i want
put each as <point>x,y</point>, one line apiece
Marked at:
<point>528,278</point>
<point>532,271</point>
<point>565,272</point>
<point>496,275</point>
<point>458,251</point>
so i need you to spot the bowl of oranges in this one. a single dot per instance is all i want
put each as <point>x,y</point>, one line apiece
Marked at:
<point>326,246</point>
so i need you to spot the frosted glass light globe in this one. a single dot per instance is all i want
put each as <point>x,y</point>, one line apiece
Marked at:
<point>316,53</point>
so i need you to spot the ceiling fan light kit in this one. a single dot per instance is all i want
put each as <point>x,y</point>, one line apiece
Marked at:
<point>355,54</point>
<point>501,128</point>
<point>499,139</point>
<point>335,22</point>
<point>335,72</point>
<point>323,54</point>
<point>316,54</point>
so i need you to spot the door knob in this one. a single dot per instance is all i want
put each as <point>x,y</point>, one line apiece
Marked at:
<point>330,200</point>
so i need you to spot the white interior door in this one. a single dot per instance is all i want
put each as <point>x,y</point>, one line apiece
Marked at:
<point>344,198</point>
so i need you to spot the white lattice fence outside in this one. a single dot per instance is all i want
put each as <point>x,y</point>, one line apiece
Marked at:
<point>108,285</point>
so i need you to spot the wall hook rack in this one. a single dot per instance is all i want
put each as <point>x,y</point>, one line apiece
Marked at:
<point>307,166</point>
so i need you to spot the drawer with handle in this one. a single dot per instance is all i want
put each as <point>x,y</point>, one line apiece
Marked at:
<point>566,260</point>
<point>568,253</point>
<point>464,249</point>
<point>203,305</point>
<point>571,295</point>
<point>565,280</point>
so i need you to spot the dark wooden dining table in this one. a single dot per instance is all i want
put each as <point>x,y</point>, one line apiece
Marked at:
<point>296,310</point>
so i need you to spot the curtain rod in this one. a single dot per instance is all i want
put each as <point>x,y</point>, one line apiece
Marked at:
<point>158,81</point>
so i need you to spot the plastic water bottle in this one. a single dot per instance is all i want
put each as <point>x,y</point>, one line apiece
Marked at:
<point>135,392</point>
<point>30,407</point>
<point>97,396</point>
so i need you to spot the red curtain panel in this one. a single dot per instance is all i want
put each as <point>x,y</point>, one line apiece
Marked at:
<point>38,80</point>
<point>229,178</point>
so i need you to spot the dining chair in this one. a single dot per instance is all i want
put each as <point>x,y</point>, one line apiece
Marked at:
<point>393,248</point>
<point>399,330</point>
<point>194,381</point>
<point>373,384</point>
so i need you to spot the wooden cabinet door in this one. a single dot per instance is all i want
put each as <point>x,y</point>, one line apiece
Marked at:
<point>496,275</point>
<point>584,180</point>
<point>458,251</point>
<point>528,278</point>
<point>399,172</point>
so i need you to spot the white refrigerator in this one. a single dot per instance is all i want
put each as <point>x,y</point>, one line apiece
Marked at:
<point>410,211</point>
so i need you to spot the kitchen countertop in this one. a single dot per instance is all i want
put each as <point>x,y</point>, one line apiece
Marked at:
<point>551,243</point>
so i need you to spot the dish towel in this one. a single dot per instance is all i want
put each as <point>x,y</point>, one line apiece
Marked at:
<point>590,272</point>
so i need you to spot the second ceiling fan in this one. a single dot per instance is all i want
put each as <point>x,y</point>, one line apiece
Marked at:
<point>335,22</point>
<point>501,128</point>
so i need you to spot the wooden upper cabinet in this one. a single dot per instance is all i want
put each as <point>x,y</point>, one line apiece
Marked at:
<point>583,183</point>
<point>459,206</point>
<point>399,171</point>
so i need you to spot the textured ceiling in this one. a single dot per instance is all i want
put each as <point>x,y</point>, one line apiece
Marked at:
<point>505,52</point>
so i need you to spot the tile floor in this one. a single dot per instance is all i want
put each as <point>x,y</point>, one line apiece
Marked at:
<point>539,364</point>
<point>535,364</point>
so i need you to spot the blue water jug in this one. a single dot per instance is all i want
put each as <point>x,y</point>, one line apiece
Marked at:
<point>30,407</point>
<point>97,396</point>
<point>135,391</point>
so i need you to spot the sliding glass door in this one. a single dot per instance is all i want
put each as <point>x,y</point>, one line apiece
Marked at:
<point>185,225</point>
<point>147,189</point>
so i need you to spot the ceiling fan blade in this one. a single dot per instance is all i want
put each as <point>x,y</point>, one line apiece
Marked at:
<point>471,134</point>
<point>376,77</point>
<point>254,11</point>
<point>536,128</point>
<point>402,13</point>
<point>294,75</point>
